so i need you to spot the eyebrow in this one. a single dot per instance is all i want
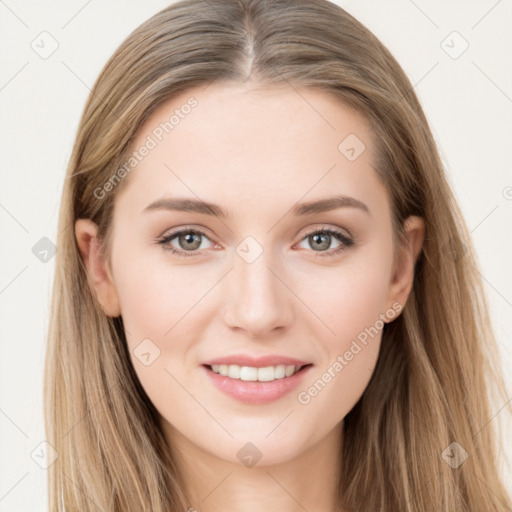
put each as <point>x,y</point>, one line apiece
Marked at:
<point>300,209</point>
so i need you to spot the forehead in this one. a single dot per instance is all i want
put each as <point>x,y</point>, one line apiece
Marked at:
<point>250,141</point>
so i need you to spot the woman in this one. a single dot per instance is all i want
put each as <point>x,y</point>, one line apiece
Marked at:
<point>266,295</point>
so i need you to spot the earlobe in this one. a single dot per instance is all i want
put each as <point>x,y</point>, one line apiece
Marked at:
<point>403,274</point>
<point>98,275</point>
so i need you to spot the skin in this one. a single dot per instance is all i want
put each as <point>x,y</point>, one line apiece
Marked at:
<point>256,152</point>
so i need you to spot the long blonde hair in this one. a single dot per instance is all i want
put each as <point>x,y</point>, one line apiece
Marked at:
<point>438,370</point>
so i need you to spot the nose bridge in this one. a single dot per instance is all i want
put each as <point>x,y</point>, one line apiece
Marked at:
<point>258,300</point>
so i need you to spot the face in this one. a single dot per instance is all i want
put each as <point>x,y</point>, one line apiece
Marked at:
<point>272,276</point>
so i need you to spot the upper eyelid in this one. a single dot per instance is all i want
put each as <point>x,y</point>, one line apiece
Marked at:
<point>343,231</point>
<point>186,229</point>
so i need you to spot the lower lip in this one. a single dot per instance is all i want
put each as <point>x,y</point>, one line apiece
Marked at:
<point>255,392</point>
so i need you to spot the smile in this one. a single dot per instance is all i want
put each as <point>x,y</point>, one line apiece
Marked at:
<point>251,373</point>
<point>256,385</point>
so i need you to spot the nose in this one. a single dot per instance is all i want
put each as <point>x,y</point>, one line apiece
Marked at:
<point>258,300</point>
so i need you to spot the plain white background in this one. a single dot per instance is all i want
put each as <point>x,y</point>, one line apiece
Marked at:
<point>467,99</point>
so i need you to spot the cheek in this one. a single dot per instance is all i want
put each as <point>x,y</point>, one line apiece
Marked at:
<point>160,314</point>
<point>353,307</point>
<point>353,299</point>
<point>351,354</point>
<point>156,298</point>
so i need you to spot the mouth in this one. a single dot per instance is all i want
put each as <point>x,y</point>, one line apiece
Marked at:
<point>256,374</point>
<point>255,385</point>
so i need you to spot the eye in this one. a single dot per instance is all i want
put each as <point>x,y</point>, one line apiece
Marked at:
<point>189,241</point>
<point>321,239</point>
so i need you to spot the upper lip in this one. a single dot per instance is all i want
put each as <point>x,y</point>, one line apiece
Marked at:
<point>257,362</point>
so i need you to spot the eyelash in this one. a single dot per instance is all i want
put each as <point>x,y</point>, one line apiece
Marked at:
<point>346,242</point>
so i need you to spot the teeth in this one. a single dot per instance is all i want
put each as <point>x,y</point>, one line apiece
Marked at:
<point>250,373</point>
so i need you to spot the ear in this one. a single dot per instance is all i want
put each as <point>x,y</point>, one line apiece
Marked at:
<point>406,257</point>
<point>98,274</point>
